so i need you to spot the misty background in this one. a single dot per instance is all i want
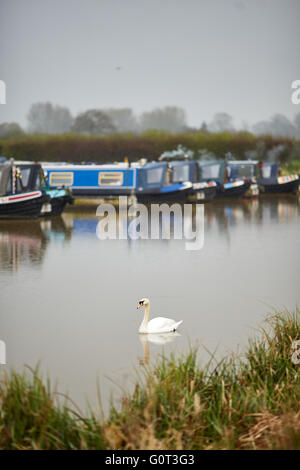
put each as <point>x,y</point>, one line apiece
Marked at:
<point>105,66</point>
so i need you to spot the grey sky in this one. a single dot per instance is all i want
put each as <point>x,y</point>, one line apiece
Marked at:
<point>237,56</point>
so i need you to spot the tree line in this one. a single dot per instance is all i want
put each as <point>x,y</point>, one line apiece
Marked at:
<point>46,118</point>
<point>149,145</point>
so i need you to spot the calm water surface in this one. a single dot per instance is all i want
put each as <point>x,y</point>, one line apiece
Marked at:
<point>69,300</point>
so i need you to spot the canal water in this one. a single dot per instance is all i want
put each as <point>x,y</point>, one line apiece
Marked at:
<point>68,300</point>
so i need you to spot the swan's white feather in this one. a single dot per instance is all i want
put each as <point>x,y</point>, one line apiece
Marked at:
<point>162,325</point>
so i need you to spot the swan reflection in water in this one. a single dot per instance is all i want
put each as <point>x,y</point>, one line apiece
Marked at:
<point>155,338</point>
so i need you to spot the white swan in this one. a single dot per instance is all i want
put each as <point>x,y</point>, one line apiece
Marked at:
<point>156,325</point>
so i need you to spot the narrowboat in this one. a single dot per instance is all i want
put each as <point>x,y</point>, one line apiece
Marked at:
<point>147,181</point>
<point>92,180</point>
<point>154,184</point>
<point>188,170</point>
<point>247,170</point>
<point>215,170</point>
<point>17,201</point>
<point>271,182</point>
<point>24,180</point>
<point>32,176</point>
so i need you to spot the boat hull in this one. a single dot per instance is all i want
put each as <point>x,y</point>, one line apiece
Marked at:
<point>109,192</point>
<point>58,205</point>
<point>276,188</point>
<point>233,191</point>
<point>23,206</point>
<point>203,195</point>
<point>174,196</point>
<point>59,198</point>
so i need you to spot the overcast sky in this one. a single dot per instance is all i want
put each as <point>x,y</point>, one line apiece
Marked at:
<point>237,56</point>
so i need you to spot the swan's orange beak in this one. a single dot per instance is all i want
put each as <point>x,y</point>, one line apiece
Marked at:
<point>140,305</point>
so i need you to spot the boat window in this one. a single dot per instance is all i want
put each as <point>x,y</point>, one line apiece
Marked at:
<point>110,178</point>
<point>61,178</point>
<point>245,171</point>
<point>2,183</point>
<point>266,171</point>
<point>8,186</point>
<point>25,173</point>
<point>5,180</point>
<point>154,175</point>
<point>210,171</point>
<point>180,173</point>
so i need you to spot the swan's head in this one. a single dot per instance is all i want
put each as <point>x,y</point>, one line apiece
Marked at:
<point>143,302</point>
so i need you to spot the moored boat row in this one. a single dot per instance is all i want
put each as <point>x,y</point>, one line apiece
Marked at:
<point>30,190</point>
<point>148,181</point>
<point>171,179</point>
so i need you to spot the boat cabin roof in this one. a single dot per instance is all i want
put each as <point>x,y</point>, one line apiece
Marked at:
<point>74,166</point>
<point>243,162</point>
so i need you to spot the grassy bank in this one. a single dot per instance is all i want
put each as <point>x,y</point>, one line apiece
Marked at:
<point>247,402</point>
<point>291,168</point>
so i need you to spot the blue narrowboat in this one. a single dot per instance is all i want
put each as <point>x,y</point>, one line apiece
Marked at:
<point>149,181</point>
<point>154,184</point>
<point>271,182</point>
<point>188,170</point>
<point>215,170</point>
<point>92,180</point>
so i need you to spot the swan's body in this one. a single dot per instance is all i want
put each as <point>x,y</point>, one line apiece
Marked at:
<point>156,325</point>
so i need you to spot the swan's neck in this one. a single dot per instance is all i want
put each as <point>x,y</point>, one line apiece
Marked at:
<point>143,327</point>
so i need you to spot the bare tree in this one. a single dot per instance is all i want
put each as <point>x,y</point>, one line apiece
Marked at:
<point>10,129</point>
<point>279,126</point>
<point>262,127</point>
<point>297,125</point>
<point>93,122</point>
<point>123,119</point>
<point>44,118</point>
<point>170,118</point>
<point>221,122</point>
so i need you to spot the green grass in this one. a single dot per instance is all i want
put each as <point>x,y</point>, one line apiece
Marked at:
<point>245,402</point>
<point>292,167</point>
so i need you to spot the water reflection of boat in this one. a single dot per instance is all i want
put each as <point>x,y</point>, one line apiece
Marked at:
<point>24,242</point>
<point>227,213</point>
<point>155,338</point>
